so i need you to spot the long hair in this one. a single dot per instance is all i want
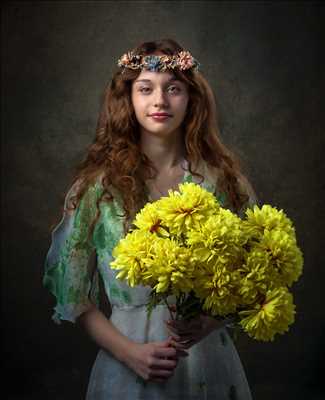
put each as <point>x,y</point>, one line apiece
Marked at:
<point>115,153</point>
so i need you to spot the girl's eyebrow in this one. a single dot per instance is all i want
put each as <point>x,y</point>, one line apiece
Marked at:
<point>148,80</point>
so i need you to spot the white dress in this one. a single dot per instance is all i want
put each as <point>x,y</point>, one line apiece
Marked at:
<point>212,370</point>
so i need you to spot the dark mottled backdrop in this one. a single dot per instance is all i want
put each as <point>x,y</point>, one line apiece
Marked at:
<point>264,63</point>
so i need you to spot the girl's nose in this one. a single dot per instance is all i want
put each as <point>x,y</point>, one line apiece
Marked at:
<point>160,98</point>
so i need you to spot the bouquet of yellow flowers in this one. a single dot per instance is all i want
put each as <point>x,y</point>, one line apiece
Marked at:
<point>187,246</point>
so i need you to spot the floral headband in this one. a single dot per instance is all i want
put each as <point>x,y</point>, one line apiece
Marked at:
<point>183,60</point>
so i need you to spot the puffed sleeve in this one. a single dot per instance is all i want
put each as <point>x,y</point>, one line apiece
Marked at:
<point>70,269</point>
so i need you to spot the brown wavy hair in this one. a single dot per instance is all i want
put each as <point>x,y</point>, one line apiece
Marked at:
<point>115,153</point>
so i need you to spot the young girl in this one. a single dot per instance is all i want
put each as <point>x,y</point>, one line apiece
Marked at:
<point>157,128</point>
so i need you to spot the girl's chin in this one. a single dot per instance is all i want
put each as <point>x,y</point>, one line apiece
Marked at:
<point>162,132</point>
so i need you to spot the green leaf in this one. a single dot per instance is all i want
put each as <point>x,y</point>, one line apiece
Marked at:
<point>222,198</point>
<point>189,179</point>
<point>154,299</point>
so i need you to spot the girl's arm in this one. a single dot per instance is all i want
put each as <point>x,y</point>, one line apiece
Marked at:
<point>155,361</point>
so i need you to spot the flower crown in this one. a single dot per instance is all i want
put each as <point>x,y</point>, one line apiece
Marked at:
<point>183,61</point>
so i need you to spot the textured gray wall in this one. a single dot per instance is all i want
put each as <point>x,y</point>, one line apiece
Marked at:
<point>264,63</point>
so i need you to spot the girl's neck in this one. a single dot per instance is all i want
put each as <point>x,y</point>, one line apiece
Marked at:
<point>165,153</point>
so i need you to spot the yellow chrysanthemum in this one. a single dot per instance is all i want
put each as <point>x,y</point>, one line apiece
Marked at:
<point>148,219</point>
<point>216,285</point>
<point>170,268</point>
<point>188,208</point>
<point>186,243</point>
<point>273,316</point>
<point>219,239</point>
<point>255,276</point>
<point>285,257</point>
<point>130,255</point>
<point>258,220</point>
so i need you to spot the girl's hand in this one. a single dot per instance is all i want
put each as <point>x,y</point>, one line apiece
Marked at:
<point>155,361</point>
<point>185,334</point>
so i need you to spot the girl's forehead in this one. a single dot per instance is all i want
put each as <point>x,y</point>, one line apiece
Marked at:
<point>155,76</point>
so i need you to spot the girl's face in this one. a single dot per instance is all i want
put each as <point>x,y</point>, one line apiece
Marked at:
<point>159,92</point>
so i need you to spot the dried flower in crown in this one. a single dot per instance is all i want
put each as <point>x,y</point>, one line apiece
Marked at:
<point>183,60</point>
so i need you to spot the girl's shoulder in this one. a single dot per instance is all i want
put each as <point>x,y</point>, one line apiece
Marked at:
<point>212,176</point>
<point>209,174</point>
<point>87,192</point>
<point>207,177</point>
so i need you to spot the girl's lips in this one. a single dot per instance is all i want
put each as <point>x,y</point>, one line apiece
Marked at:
<point>160,117</point>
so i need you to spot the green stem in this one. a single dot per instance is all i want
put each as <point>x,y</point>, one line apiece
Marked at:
<point>170,312</point>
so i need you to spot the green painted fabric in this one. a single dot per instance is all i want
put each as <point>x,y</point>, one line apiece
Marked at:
<point>69,275</point>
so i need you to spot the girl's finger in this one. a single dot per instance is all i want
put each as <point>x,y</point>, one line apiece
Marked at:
<point>160,374</point>
<point>182,337</point>
<point>185,345</point>
<point>165,352</point>
<point>179,346</point>
<point>165,363</point>
<point>180,350</point>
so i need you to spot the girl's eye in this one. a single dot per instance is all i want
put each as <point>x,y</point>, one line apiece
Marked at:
<point>146,89</point>
<point>175,87</point>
